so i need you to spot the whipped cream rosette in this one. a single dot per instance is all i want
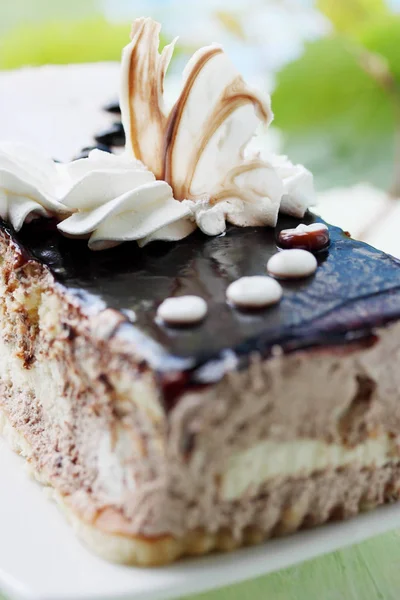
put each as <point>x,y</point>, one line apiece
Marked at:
<point>29,185</point>
<point>117,199</point>
<point>109,199</point>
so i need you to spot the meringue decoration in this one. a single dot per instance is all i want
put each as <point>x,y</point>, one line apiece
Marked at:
<point>257,291</point>
<point>199,147</point>
<point>292,264</point>
<point>182,310</point>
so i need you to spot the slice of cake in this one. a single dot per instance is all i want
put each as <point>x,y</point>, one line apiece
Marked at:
<point>246,413</point>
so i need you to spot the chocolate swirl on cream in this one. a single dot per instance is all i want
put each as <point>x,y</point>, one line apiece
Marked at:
<point>200,146</point>
<point>142,103</point>
<point>233,95</point>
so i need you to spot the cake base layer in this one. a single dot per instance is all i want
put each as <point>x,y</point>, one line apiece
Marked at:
<point>295,504</point>
<point>284,506</point>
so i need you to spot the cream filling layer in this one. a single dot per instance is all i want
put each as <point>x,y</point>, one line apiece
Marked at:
<point>248,470</point>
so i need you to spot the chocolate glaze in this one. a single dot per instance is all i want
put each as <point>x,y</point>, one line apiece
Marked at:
<point>355,289</point>
<point>113,136</point>
<point>113,107</point>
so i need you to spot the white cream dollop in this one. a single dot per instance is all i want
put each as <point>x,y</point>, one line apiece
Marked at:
<point>298,187</point>
<point>182,310</point>
<point>292,264</point>
<point>116,199</point>
<point>107,198</point>
<point>29,185</point>
<point>189,166</point>
<point>254,292</point>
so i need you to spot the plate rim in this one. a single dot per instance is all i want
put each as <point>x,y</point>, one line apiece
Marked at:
<point>184,578</point>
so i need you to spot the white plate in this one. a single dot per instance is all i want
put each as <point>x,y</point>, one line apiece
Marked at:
<point>40,558</point>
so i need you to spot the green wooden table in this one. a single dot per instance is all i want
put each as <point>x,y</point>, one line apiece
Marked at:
<point>367,571</point>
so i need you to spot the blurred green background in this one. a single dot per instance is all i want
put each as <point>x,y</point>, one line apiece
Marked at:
<point>333,65</point>
<point>37,32</point>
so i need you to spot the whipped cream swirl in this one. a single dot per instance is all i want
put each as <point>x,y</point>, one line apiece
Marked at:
<point>108,199</point>
<point>29,185</point>
<point>117,199</point>
<point>298,187</point>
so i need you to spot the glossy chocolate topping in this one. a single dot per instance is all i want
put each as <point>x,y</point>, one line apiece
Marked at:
<point>113,136</point>
<point>355,289</point>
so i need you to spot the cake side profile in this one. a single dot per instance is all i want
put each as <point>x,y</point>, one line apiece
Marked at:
<point>153,460</point>
<point>255,420</point>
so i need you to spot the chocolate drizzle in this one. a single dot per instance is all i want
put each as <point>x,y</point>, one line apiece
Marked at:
<point>235,96</point>
<point>176,115</point>
<point>145,74</point>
